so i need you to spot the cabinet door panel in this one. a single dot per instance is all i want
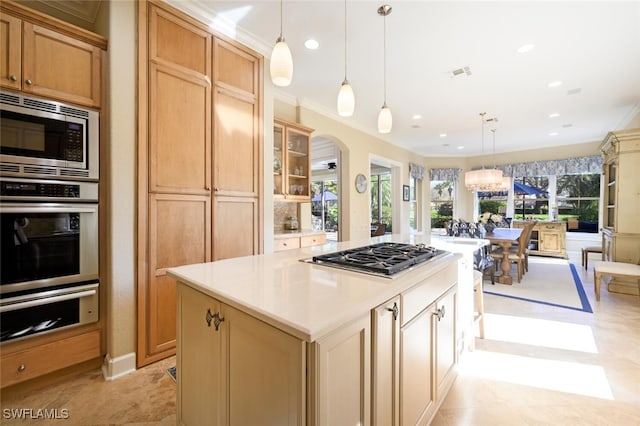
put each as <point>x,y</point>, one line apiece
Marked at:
<point>235,68</point>
<point>259,395</point>
<point>385,377</point>
<point>76,66</point>
<point>11,52</point>
<point>446,343</point>
<point>549,241</point>
<point>236,145</point>
<point>178,235</point>
<point>416,380</point>
<point>235,227</point>
<point>179,132</point>
<point>199,360</point>
<point>343,376</point>
<point>172,40</point>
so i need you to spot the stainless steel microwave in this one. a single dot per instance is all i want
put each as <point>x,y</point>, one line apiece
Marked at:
<point>47,139</point>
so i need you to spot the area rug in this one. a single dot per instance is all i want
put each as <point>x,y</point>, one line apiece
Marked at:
<point>549,281</point>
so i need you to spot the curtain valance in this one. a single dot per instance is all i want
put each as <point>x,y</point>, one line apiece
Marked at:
<point>450,174</point>
<point>416,171</point>
<point>569,166</point>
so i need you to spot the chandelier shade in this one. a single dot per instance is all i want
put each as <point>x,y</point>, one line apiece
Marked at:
<point>483,180</point>
<point>346,100</point>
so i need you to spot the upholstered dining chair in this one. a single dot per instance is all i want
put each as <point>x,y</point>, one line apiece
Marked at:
<point>482,261</point>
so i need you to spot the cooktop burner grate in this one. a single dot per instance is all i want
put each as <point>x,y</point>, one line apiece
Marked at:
<point>381,258</point>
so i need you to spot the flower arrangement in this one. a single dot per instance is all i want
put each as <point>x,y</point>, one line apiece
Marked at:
<point>488,217</point>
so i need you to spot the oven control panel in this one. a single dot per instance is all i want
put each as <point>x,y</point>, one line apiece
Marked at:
<point>47,190</point>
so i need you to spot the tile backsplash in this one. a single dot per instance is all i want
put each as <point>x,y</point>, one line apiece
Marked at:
<point>281,211</point>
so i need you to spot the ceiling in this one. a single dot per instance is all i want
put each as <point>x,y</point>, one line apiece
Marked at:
<point>592,47</point>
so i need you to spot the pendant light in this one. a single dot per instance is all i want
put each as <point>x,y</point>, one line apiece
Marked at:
<point>281,66</point>
<point>346,98</point>
<point>483,179</point>
<point>385,120</point>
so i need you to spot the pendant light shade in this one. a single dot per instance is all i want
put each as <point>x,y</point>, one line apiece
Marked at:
<point>346,100</point>
<point>385,120</point>
<point>346,97</point>
<point>281,66</point>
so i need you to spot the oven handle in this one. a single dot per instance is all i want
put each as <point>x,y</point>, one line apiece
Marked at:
<point>45,300</point>
<point>48,208</point>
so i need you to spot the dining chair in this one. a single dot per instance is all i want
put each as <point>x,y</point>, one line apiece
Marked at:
<point>515,256</point>
<point>379,230</point>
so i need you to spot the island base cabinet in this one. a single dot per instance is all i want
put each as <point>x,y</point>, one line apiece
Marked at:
<point>340,376</point>
<point>234,369</point>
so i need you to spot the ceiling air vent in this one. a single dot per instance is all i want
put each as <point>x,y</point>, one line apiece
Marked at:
<point>460,71</point>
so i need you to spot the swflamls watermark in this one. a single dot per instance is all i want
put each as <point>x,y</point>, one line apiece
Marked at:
<point>35,413</point>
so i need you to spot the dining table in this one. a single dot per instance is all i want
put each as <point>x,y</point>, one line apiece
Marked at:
<point>504,237</point>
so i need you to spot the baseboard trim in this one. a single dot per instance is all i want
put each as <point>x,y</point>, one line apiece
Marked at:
<point>114,368</point>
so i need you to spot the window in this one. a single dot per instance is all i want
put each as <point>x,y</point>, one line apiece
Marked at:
<point>442,192</point>
<point>381,199</point>
<point>413,204</point>
<point>531,200</point>
<point>579,196</point>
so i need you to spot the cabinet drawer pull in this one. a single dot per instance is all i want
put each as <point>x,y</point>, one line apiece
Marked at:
<point>28,82</point>
<point>13,78</point>
<point>394,310</point>
<point>21,368</point>
<point>217,319</point>
<point>439,313</point>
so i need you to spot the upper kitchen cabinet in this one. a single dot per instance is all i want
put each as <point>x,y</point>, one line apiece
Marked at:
<point>291,161</point>
<point>47,57</point>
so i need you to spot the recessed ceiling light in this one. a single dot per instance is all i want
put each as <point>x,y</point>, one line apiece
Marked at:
<point>311,44</point>
<point>445,144</point>
<point>415,126</point>
<point>553,134</point>
<point>416,117</point>
<point>567,125</point>
<point>525,48</point>
<point>554,115</point>
<point>574,91</point>
<point>556,83</point>
<point>443,135</point>
<point>460,146</point>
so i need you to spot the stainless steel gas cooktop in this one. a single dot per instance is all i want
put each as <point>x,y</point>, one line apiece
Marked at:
<point>383,259</point>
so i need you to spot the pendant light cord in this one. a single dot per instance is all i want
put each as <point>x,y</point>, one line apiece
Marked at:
<point>482,114</point>
<point>280,18</point>
<point>384,59</point>
<point>345,40</point>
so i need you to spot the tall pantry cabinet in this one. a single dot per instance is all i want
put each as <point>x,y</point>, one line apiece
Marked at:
<point>621,230</point>
<point>199,153</point>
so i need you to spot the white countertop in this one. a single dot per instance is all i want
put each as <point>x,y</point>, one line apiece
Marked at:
<point>296,233</point>
<point>303,299</point>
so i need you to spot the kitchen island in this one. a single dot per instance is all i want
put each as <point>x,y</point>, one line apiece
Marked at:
<point>272,339</point>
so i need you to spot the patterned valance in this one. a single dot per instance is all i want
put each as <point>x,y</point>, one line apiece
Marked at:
<point>569,166</point>
<point>450,174</point>
<point>416,171</point>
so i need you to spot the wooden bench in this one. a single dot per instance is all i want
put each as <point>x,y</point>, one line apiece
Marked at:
<point>614,269</point>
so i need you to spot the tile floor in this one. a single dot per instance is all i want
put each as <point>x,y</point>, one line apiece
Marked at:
<point>558,366</point>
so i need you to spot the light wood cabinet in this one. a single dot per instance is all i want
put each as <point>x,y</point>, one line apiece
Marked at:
<point>199,160</point>
<point>285,243</point>
<point>547,238</point>
<point>621,231</point>
<point>46,57</point>
<point>291,161</point>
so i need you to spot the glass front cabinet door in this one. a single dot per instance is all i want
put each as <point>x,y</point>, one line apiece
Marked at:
<point>291,161</point>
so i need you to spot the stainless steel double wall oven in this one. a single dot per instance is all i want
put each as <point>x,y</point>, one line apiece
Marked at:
<point>49,221</point>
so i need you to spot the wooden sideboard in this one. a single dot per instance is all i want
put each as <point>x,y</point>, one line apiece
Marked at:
<point>547,239</point>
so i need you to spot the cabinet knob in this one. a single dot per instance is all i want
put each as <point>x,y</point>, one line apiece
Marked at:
<point>216,189</point>
<point>13,78</point>
<point>21,368</point>
<point>29,82</point>
<point>439,313</point>
<point>208,188</point>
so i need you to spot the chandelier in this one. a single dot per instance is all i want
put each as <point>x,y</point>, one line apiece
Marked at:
<point>483,179</point>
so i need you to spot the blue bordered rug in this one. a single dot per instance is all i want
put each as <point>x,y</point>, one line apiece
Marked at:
<point>552,282</point>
